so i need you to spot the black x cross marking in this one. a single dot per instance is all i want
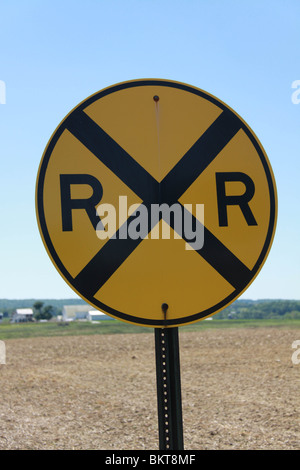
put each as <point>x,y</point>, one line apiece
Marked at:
<point>169,190</point>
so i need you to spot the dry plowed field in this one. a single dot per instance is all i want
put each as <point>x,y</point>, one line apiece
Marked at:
<point>240,390</point>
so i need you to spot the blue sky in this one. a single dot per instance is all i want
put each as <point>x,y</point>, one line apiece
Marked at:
<point>55,54</point>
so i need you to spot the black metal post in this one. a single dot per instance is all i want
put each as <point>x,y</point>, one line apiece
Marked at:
<point>169,403</point>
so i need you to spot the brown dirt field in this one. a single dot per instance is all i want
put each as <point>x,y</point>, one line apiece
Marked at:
<point>240,390</point>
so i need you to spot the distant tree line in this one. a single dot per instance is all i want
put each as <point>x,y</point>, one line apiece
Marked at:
<point>240,309</point>
<point>42,308</point>
<point>256,309</point>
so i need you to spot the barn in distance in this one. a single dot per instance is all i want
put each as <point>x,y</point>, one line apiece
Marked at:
<point>83,313</point>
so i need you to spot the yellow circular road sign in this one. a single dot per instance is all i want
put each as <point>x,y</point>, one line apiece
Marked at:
<point>154,192</point>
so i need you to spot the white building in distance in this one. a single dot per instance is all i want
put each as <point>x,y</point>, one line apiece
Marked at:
<point>22,315</point>
<point>97,315</point>
<point>75,312</point>
<point>82,312</point>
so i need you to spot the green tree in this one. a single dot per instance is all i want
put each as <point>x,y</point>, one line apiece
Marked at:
<point>37,307</point>
<point>44,314</point>
<point>47,312</point>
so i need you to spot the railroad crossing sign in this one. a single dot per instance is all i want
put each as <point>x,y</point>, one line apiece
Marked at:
<point>154,192</point>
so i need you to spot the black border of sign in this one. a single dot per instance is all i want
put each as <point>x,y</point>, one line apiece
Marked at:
<point>54,256</point>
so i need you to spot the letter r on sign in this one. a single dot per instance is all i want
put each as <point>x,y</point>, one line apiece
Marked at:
<point>68,204</point>
<point>242,200</point>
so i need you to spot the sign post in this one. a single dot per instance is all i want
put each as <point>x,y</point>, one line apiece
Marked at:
<point>169,405</point>
<point>153,192</point>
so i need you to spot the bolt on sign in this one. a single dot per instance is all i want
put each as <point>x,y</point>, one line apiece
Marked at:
<point>154,192</point>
